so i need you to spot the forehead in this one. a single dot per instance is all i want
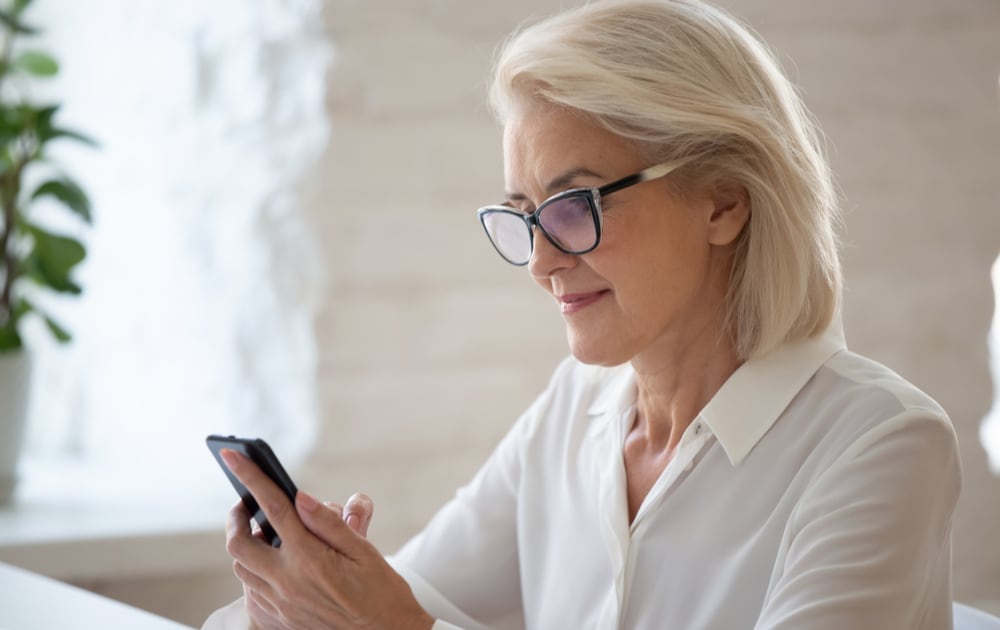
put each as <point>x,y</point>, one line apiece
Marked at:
<point>541,143</point>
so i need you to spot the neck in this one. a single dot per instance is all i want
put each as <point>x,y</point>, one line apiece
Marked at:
<point>675,385</point>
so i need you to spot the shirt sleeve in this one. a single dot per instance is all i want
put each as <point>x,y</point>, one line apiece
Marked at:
<point>467,556</point>
<point>463,567</point>
<point>230,617</point>
<point>867,540</point>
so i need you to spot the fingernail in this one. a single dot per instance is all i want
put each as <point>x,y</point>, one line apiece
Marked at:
<point>353,521</point>
<point>307,501</point>
<point>230,457</point>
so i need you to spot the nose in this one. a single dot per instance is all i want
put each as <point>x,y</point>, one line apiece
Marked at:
<point>547,259</point>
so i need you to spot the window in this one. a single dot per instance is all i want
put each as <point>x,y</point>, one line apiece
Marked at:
<point>202,279</point>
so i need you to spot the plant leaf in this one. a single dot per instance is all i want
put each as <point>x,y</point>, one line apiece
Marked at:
<point>21,308</point>
<point>61,334</point>
<point>36,63</point>
<point>9,339</point>
<point>47,131</point>
<point>19,130</point>
<point>70,135</point>
<point>42,122</point>
<point>14,119</point>
<point>68,193</point>
<point>13,24</point>
<point>20,5</point>
<point>52,258</point>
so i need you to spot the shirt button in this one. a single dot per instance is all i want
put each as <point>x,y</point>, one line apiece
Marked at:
<point>697,428</point>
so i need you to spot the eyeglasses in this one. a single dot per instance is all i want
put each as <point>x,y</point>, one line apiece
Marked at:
<point>571,220</point>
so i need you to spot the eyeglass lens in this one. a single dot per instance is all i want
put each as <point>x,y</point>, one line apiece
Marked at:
<point>510,234</point>
<point>568,222</point>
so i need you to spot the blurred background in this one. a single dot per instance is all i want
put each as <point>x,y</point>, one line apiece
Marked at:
<point>285,245</point>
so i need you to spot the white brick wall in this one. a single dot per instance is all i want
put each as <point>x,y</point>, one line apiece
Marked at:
<point>430,346</point>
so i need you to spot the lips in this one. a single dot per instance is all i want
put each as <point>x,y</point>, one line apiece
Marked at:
<point>575,302</point>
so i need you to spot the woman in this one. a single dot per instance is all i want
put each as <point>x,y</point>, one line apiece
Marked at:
<point>711,456</point>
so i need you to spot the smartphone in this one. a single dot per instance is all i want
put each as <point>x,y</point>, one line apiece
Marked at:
<point>261,454</point>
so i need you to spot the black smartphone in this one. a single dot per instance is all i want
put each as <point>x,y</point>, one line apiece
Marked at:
<point>261,454</point>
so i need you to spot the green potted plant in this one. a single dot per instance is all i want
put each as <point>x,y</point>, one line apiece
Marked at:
<point>33,258</point>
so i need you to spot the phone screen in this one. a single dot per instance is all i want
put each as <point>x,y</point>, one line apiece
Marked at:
<point>260,453</point>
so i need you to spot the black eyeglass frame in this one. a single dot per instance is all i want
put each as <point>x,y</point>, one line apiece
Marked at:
<point>593,197</point>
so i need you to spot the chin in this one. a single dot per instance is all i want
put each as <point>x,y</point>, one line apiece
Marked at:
<point>597,352</point>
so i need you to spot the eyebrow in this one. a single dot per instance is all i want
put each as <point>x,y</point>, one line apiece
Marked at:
<point>558,184</point>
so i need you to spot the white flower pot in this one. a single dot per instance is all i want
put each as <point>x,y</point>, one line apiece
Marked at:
<point>15,387</point>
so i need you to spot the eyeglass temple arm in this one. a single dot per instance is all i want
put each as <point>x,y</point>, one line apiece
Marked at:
<point>653,172</point>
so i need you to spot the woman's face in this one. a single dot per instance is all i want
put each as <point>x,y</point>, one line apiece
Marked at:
<point>658,278</point>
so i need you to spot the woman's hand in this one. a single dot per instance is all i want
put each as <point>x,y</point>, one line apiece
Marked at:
<point>357,513</point>
<point>325,574</point>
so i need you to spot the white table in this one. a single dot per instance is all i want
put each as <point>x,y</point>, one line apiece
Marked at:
<point>29,601</point>
<point>78,525</point>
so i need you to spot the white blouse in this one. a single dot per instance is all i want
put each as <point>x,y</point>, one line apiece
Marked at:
<point>814,491</point>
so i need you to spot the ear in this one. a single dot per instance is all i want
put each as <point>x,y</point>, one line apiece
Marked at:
<point>730,212</point>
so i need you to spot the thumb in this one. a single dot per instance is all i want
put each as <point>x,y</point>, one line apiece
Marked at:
<point>326,524</point>
<point>358,513</point>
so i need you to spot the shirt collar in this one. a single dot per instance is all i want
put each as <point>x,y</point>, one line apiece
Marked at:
<point>752,399</point>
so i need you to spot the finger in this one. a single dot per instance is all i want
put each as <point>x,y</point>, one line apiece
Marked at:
<point>237,519</point>
<point>238,522</point>
<point>242,544</point>
<point>254,583</point>
<point>258,533</point>
<point>275,504</point>
<point>358,513</point>
<point>250,551</point>
<point>336,507</point>
<point>339,512</point>
<point>250,579</point>
<point>256,600</point>
<point>327,525</point>
<point>258,607</point>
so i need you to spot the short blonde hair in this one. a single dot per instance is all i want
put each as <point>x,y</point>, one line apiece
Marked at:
<point>685,80</point>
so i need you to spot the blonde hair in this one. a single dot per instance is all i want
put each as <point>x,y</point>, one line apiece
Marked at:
<point>685,80</point>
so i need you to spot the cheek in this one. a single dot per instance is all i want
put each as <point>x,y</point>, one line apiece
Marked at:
<point>660,236</point>
<point>654,260</point>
